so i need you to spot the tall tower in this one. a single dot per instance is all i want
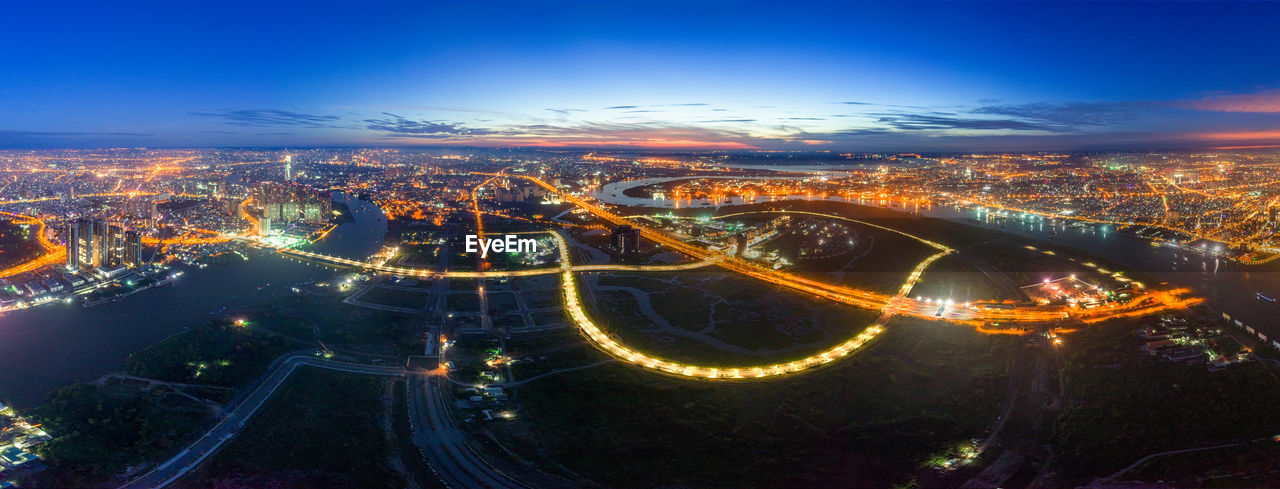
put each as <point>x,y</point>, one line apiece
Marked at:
<point>101,247</point>
<point>288,168</point>
<point>132,249</point>
<point>84,245</point>
<point>73,241</point>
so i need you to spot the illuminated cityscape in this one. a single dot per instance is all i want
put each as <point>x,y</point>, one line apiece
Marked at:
<point>1025,245</point>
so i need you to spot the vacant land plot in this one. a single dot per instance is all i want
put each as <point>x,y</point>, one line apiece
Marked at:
<point>321,429</point>
<point>397,297</point>
<point>866,421</point>
<point>715,318</point>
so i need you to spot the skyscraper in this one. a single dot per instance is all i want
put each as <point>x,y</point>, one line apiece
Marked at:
<point>73,248</point>
<point>115,246</point>
<point>101,232</point>
<point>626,239</point>
<point>132,249</point>
<point>288,168</point>
<point>84,245</point>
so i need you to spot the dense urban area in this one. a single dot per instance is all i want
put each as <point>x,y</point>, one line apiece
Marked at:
<point>923,320</point>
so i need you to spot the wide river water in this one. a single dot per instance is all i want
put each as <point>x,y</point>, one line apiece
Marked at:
<point>53,345</point>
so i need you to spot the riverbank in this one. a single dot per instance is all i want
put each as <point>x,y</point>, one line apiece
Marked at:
<point>59,344</point>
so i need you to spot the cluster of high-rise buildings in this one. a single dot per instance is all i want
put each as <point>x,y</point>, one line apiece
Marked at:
<point>518,193</point>
<point>625,239</point>
<point>97,246</point>
<point>291,203</point>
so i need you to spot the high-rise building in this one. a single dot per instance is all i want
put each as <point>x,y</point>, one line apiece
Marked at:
<point>626,239</point>
<point>101,245</point>
<point>292,203</point>
<point>288,168</point>
<point>132,249</point>
<point>1275,212</point>
<point>142,208</point>
<point>73,242</point>
<point>84,245</point>
<point>115,246</point>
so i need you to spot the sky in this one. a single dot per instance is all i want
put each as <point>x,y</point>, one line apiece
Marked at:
<point>687,75</point>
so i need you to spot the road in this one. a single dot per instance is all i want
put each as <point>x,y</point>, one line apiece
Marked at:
<point>454,461</point>
<point>234,421</point>
<point>1148,303</point>
<point>429,273</point>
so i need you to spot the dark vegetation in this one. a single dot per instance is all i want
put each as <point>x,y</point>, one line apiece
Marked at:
<point>217,353</point>
<point>867,421</point>
<point>99,433</point>
<point>321,429</point>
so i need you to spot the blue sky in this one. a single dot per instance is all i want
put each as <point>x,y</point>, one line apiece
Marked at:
<point>902,76</point>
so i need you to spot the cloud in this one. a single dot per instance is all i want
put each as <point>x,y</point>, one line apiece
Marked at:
<point>694,104</point>
<point>566,111</point>
<point>1267,101</point>
<point>648,134</point>
<point>55,134</point>
<point>395,125</point>
<point>925,122</point>
<point>1070,114</point>
<point>272,117</point>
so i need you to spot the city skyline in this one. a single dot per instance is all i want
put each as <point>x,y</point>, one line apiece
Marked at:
<point>951,76</point>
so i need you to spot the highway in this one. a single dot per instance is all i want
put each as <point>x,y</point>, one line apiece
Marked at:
<point>234,421</point>
<point>53,252</point>
<point>973,315</point>
<point>454,461</point>
<point>429,273</point>
<point>604,342</point>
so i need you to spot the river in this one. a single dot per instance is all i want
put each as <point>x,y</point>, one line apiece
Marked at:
<point>54,345</point>
<point>1227,287</point>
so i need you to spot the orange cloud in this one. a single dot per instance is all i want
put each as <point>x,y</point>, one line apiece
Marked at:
<point>1271,134</point>
<point>1267,101</point>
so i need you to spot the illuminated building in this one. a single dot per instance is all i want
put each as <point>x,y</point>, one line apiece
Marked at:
<point>84,245</point>
<point>100,247</point>
<point>132,249</point>
<point>626,239</point>
<point>115,246</point>
<point>73,241</point>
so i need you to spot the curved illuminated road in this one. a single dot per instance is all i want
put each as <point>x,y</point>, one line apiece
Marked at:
<point>53,252</point>
<point>888,306</point>
<point>428,273</point>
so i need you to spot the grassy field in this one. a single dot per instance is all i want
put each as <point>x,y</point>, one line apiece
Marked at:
<point>418,256</point>
<point>1120,407</point>
<point>218,353</point>
<point>1247,465</point>
<point>396,297</point>
<point>952,277</point>
<point>99,431</point>
<point>868,421</point>
<point>17,244</point>
<point>718,319</point>
<point>321,429</point>
<point>327,319</point>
